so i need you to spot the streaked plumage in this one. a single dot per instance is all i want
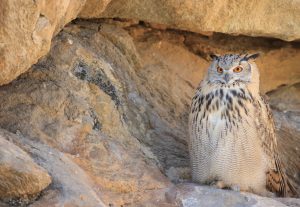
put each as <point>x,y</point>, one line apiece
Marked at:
<point>232,134</point>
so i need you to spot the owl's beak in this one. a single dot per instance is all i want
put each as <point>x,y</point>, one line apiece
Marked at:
<point>227,77</point>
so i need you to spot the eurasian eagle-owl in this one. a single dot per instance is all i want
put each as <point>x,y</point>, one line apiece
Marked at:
<point>232,133</point>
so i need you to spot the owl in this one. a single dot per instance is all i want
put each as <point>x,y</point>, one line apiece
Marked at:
<point>232,135</point>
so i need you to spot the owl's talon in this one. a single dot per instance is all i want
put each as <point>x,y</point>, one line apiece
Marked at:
<point>218,184</point>
<point>235,188</point>
<point>266,193</point>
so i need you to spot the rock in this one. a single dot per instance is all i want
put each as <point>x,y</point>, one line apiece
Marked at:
<point>26,36</point>
<point>26,30</point>
<point>70,187</point>
<point>277,61</point>
<point>22,46</point>
<point>286,98</point>
<point>173,65</point>
<point>192,195</point>
<point>93,7</point>
<point>291,202</point>
<point>278,67</point>
<point>20,177</point>
<point>112,106</point>
<point>76,100</point>
<point>280,19</point>
<point>168,90</point>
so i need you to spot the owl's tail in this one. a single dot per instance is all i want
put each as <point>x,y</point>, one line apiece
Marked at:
<point>279,183</point>
<point>291,191</point>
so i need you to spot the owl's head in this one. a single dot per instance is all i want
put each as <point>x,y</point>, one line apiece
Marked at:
<point>233,68</point>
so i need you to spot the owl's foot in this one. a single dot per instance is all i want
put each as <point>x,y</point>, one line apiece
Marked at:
<point>235,188</point>
<point>264,193</point>
<point>218,184</point>
<point>221,185</point>
<point>269,194</point>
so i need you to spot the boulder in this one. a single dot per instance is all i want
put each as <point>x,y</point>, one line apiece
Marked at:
<point>93,7</point>
<point>279,19</point>
<point>173,65</point>
<point>105,112</point>
<point>70,185</point>
<point>20,177</point>
<point>27,27</point>
<point>26,30</point>
<point>192,195</point>
<point>80,100</point>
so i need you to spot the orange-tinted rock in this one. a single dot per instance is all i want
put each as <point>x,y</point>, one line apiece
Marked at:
<point>26,30</point>
<point>20,177</point>
<point>279,19</point>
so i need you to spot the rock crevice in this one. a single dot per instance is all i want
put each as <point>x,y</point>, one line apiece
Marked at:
<point>105,113</point>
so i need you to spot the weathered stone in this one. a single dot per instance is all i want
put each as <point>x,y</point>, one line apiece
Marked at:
<point>94,7</point>
<point>76,100</point>
<point>191,195</point>
<point>171,71</point>
<point>26,33</point>
<point>277,62</point>
<point>169,76</point>
<point>114,107</point>
<point>20,176</point>
<point>286,98</point>
<point>26,30</point>
<point>70,187</point>
<point>279,19</point>
<point>291,202</point>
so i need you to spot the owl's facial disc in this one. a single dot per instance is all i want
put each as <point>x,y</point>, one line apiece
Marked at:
<point>229,69</point>
<point>231,75</point>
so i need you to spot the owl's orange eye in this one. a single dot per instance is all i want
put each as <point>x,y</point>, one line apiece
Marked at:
<point>238,69</point>
<point>220,70</point>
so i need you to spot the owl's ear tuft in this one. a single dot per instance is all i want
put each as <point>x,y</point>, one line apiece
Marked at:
<point>214,56</point>
<point>252,56</point>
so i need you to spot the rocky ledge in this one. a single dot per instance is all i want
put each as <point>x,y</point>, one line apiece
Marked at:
<point>102,119</point>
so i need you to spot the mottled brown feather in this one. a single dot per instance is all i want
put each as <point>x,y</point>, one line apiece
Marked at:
<point>277,181</point>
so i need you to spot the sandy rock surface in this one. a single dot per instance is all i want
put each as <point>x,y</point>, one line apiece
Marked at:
<point>191,195</point>
<point>26,31</point>
<point>20,177</point>
<point>105,113</point>
<point>279,19</point>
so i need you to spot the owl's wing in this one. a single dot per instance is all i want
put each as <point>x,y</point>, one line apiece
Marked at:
<point>277,180</point>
